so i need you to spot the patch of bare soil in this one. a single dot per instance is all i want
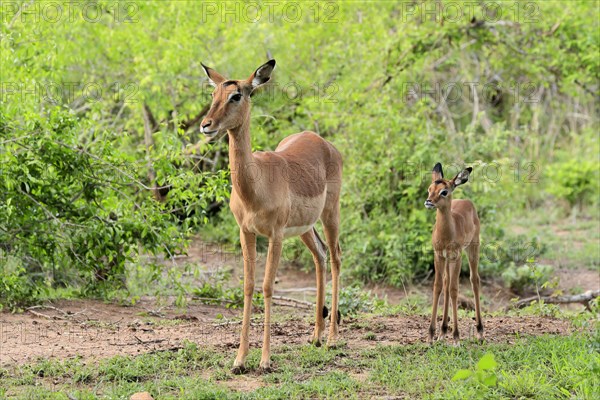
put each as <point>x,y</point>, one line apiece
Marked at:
<point>94,330</point>
<point>580,278</point>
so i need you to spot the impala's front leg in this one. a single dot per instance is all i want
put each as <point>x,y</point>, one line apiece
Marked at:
<point>439,266</point>
<point>248,241</point>
<point>445,319</point>
<point>454,276</point>
<point>275,245</point>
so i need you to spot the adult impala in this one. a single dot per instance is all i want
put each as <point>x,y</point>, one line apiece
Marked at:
<point>456,228</point>
<point>278,194</point>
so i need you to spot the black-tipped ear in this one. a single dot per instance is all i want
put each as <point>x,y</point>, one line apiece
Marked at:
<point>262,74</point>
<point>462,177</point>
<point>214,78</point>
<point>437,173</point>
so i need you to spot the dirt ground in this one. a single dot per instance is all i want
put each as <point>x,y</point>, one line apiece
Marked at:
<point>94,330</point>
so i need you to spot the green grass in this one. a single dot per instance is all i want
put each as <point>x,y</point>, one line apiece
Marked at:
<point>547,367</point>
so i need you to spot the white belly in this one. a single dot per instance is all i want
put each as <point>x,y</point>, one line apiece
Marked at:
<point>296,230</point>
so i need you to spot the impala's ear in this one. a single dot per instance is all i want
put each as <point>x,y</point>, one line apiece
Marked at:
<point>214,78</point>
<point>261,75</point>
<point>462,177</point>
<point>437,173</point>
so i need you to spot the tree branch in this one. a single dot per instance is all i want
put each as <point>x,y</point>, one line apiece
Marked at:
<point>583,298</point>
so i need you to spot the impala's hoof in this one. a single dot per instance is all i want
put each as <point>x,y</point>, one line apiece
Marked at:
<point>315,342</point>
<point>239,370</point>
<point>265,367</point>
<point>480,332</point>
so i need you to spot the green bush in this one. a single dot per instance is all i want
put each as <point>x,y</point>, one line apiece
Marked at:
<point>353,300</point>
<point>16,289</point>
<point>73,212</point>
<point>74,169</point>
<point>521,277</point>
<point>575,181</point>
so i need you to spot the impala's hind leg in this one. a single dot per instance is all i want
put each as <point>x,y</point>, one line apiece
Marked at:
<point>473,255</point>
<point>331,221</point>
<point>319,252</point>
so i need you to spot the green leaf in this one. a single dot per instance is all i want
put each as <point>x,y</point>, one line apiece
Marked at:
<point>487,362</point>
<point>462,375</point>
<point>490,380</point>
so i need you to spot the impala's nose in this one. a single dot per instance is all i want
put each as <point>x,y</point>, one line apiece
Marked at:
<point>205,126</point>
<point>429,204</point>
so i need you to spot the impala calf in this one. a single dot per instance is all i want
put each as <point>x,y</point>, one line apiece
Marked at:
<point>278,194</point>
<point>456,228</point>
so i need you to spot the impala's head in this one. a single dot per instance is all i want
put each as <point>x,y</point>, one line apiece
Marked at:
<point>439,194</point>
<point>231,98</point>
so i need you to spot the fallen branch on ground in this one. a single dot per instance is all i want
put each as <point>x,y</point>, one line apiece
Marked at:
<point>583,298</point>
<point>237,322</point>
<point>302,303</point>
<point>304,289</point>
<point>66,314</point>
<point>38,314</point>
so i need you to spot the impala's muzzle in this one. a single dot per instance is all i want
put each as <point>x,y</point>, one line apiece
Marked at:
<point>429,204</point>
<point>208,128</point>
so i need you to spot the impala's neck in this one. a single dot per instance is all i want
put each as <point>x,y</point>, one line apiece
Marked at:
<point>444,223</point>
<point>241,161</point>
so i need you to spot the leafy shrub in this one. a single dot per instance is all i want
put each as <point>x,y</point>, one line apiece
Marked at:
<point>353,300</point>
<point>71,204</point>
<point>522,277</point>
<point>214,291</point>
<point>498,257</point>
<point>575,181</point>
<point>16,289</point>
<point>75,213</point>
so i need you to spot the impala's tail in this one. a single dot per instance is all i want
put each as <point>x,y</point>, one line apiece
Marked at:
<point>326,314</point>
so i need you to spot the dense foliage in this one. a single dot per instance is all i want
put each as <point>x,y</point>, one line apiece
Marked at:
<point>100,113</point>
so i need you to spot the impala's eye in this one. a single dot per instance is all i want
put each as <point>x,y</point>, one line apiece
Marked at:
<point>235,98</point>
<point>444,193</point>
